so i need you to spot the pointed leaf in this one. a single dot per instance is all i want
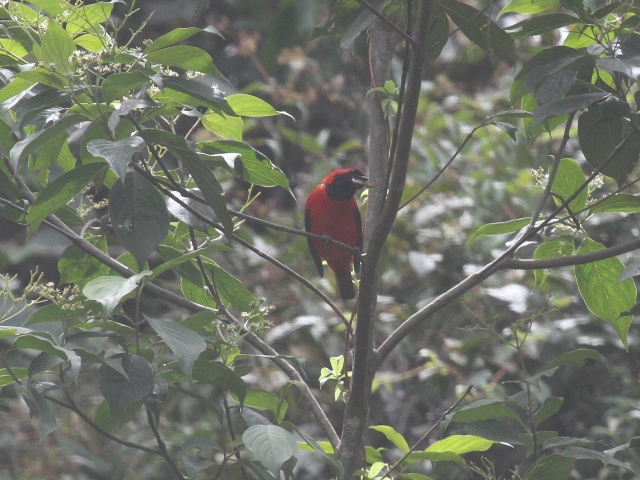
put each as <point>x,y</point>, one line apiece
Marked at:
<point>574,356</point>
<point>480,29</point>
<point>569,178</point>
<point>57,47</point>
<point>498,228</point>
<point>109,290</point>
<point>250,106</point>
<point>185,57</point>
<point>461,444</point>
<point>177,35</point>
<point>120,84</point>
<point>393,436</point>
<point>185,344</point>
<point>119,153</point>
<point>622,202</point>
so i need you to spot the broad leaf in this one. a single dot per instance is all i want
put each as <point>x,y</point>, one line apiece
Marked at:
<point>550,467</point>
<point>185,344</point>
<point>120,390</point>
<point>119,153</point>
<point>270,444</point>
<point>109,290</point>
<point>39,408</point>
<point>600,290</point>
<point>498,228</point>
<point>620,203</point>
<point>393,436</point>
<point>177,35</point>
<point>139,215</point>
<point>57,47</point>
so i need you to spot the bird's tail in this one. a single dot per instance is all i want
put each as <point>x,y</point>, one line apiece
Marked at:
<point>345,285</point>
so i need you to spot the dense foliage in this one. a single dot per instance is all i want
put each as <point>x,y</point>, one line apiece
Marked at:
<point>159,303</point>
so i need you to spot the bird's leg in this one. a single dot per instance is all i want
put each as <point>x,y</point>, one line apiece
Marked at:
<point>327,240</point>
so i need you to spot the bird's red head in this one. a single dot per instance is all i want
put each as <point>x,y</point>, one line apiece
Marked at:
<point>343,184</point>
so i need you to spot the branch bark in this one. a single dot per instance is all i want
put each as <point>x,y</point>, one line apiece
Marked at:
<point>380,221</point>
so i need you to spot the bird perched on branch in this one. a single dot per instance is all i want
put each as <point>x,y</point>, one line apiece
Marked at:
<point>332,212</point>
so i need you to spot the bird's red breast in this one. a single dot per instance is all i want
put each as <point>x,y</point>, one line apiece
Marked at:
<point>332,211</point>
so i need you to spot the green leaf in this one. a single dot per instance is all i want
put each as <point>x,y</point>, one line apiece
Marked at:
<point>393,436</point>
<point>622,202</point>
<point>569,178</point>
<point>225,126</point>
<point>120,390</point>
<point>245,162</point>
<point>554,248</point>
<point>600,133</point>
<point>54,313</point>
<point>217,373</point>
<point>119,153</point>
<point>575,356</point>
<point>263,400</point>
<point>270,444</point>
<point>117,85</point>
<point>250,106</point>
<point>437,457</point>
<point>109,290</point>
<point>194,94</point>
<point>542,24</point>
<point>498,228</point>
<point>177,35</point>
<point>185,57</point>
<point>550,467</point>
<point>139,215</point>
<point>41,138</point>
<point>60,192</point>
<point>42,344</point>
<point>202,175</point>
<point>483,410</point>
<point>601,292</point>
<point>87,17</point>
<point>77,266</point>
<point>529,6</point>
<point>39,408</point>
<point>567,105</point>
<point>461,444</point>
<point>185,344</point>
<point>57,47</point>
<point>550,406</point>
<point>180,259</point>
<point>15,87</point>
<point>480,29</point>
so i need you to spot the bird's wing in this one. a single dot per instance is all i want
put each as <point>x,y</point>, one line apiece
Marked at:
<point>356,258</point>
<point>314,254</point>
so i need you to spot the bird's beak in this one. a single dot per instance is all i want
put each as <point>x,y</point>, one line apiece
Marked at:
<point>362,181</point>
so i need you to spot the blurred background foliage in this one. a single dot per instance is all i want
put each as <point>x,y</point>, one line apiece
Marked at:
<point>269,50</point>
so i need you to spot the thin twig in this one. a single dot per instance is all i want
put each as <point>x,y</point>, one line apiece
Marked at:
<point>386,21</point>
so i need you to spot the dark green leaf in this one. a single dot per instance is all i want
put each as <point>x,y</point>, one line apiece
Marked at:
<point>60,192</point>
<point>117,85</point>
<point>195,94</point>
<point>139,215</point>
<point>575,356</point>
<point>498,228</point>
<point>217,373</point>
<point>541,24</point>
<point>39,408</point>
<point>185,344</point>
<point>550,406</point>
<point>553,248</point>
<point>480,29</point>
<point>77,266</point>
<point>567,105</point>
<point>41,138</point>
<point>600,136</point>
<point>270,444</point>
<point>119,153</point>
<point>393,436</point>
<point>550,467</point>
<point>622,202</point>
<point>483,410</point>
<point>119,390</point>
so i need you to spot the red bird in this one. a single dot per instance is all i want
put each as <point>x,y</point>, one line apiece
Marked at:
<point>331,211</point>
